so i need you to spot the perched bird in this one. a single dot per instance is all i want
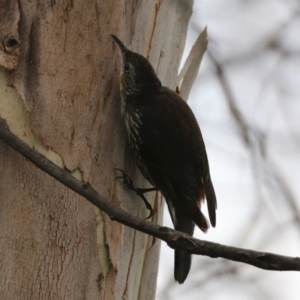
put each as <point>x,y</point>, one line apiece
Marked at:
<point>168,147</point>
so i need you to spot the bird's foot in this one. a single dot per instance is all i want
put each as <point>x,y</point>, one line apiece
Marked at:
<point>139,191</point>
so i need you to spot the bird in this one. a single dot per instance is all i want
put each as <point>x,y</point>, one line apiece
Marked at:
<point>168,147</point>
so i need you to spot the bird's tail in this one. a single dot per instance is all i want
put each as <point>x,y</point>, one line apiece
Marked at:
<point>183,258</point>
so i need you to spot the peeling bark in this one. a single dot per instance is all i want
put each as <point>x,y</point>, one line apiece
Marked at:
<point>59,93</point>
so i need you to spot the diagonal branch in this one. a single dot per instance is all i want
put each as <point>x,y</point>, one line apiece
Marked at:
<point>174,239</point>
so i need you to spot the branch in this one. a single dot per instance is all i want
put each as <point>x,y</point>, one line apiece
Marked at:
<point>174,239</point>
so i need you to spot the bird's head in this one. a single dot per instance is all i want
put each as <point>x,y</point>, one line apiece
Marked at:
<point>137,74</point>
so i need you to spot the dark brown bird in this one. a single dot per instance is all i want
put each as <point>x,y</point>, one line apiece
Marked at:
<point>168,147</point>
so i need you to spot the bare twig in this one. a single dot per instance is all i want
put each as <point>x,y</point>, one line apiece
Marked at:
<point>243,126</point>
<point>256,141</point>
<point>174,239</point>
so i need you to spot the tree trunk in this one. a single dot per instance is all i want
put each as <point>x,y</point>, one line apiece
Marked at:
<point>59,93</point>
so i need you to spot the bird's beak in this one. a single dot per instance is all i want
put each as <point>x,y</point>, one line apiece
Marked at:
<point>123,50</point>
<point>120,44</point>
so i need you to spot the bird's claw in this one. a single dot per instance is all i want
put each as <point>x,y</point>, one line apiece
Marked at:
<point>126,180</point>
<point>139,192</point>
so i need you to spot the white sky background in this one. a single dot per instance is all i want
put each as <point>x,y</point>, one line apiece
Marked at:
<point>257,45</point>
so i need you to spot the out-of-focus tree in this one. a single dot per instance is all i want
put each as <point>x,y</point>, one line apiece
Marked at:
<point>247,101</point>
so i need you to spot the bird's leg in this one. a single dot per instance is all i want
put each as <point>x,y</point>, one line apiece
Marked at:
<point>139,191</point>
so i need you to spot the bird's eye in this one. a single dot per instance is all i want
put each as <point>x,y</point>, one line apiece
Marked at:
<point>126,67</point>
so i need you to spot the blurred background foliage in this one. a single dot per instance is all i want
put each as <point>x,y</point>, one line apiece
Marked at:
<point>247,101</point>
